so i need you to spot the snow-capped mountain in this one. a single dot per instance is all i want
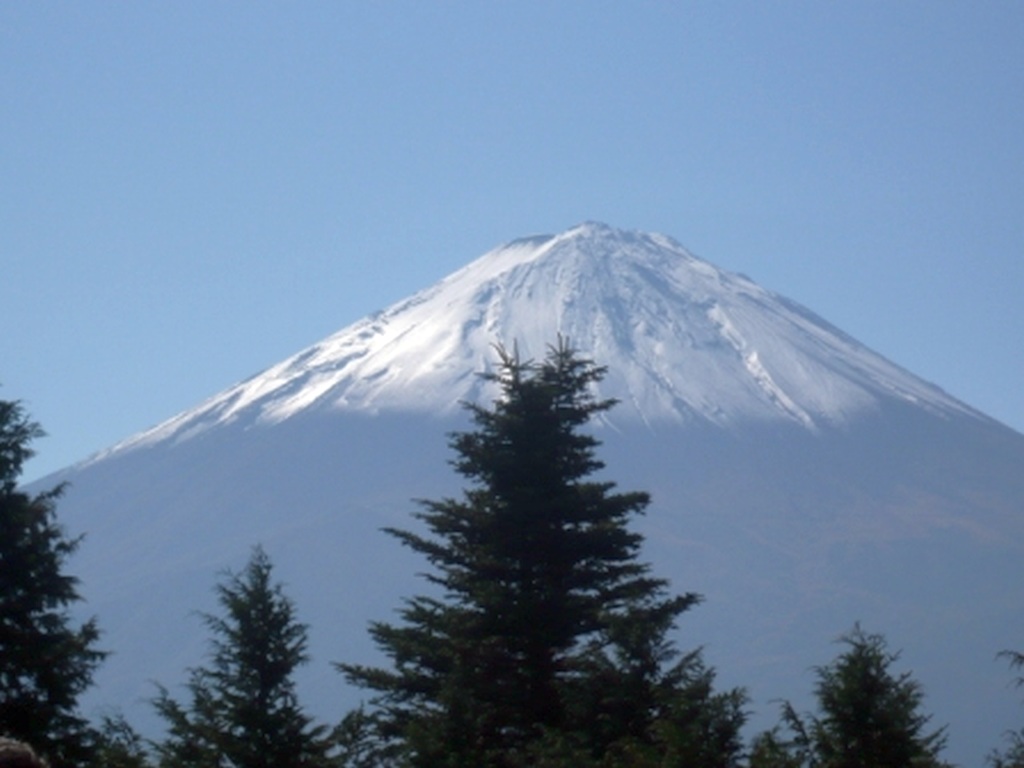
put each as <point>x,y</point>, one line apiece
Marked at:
<point>801,482</point>
<point>683,341</point>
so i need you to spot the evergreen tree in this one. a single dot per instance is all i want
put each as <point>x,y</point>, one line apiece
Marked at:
<point>118,745</point>
<point>46,661</point>
<point>1012,756</point>
<point>1016,661</point>
<point>244,711</point>
<point>868,717</point>
<point>547,641</point>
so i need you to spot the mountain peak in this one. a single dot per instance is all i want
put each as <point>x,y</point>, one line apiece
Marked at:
<point>684,341</point>
<point>906,517</point>
<point>596,230</point>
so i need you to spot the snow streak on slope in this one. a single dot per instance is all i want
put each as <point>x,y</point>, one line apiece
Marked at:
<point>683,341</point>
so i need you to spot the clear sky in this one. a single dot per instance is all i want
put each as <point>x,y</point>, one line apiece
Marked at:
<point>192,191</point>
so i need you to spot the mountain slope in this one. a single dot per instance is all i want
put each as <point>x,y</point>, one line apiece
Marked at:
<point>800,481</point>
<point>683,340</point>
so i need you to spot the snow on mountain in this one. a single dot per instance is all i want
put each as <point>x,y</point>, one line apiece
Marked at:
<point>683,341</point>
<point>800,481</point>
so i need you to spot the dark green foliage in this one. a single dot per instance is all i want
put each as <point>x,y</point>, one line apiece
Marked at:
<point>357,745</point>
<point>770,750</point>
<point>867,717</point>
<point>244,712</point>
<point>546,640</point>
<point>1016,661</point>
<point>1012,755</point>
<point>119,745</point>
<point>46,661</point>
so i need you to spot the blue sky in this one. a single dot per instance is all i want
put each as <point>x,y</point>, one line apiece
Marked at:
<point>192,191</point>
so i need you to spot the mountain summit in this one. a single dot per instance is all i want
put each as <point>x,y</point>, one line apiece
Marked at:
<point>800,481</point>
<point>684,341</point>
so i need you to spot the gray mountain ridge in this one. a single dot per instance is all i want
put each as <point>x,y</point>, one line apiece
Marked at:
<point>801,482</point>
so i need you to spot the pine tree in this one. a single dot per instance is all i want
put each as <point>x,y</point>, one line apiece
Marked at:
<point>547,639</point>
<point>46,661</point>
<point>118,745</point>
<point>244,711</point>
<point>1012,756</point>
<point>1016,661</point>
<point>868,716</point>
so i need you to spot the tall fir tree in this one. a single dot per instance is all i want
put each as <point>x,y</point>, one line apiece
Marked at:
<point>546,639</point>
<point>867,717</point>
<point>46,660</point>
<point>244,710</point>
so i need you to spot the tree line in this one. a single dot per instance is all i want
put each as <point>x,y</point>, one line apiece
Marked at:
<point>544,641</point>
